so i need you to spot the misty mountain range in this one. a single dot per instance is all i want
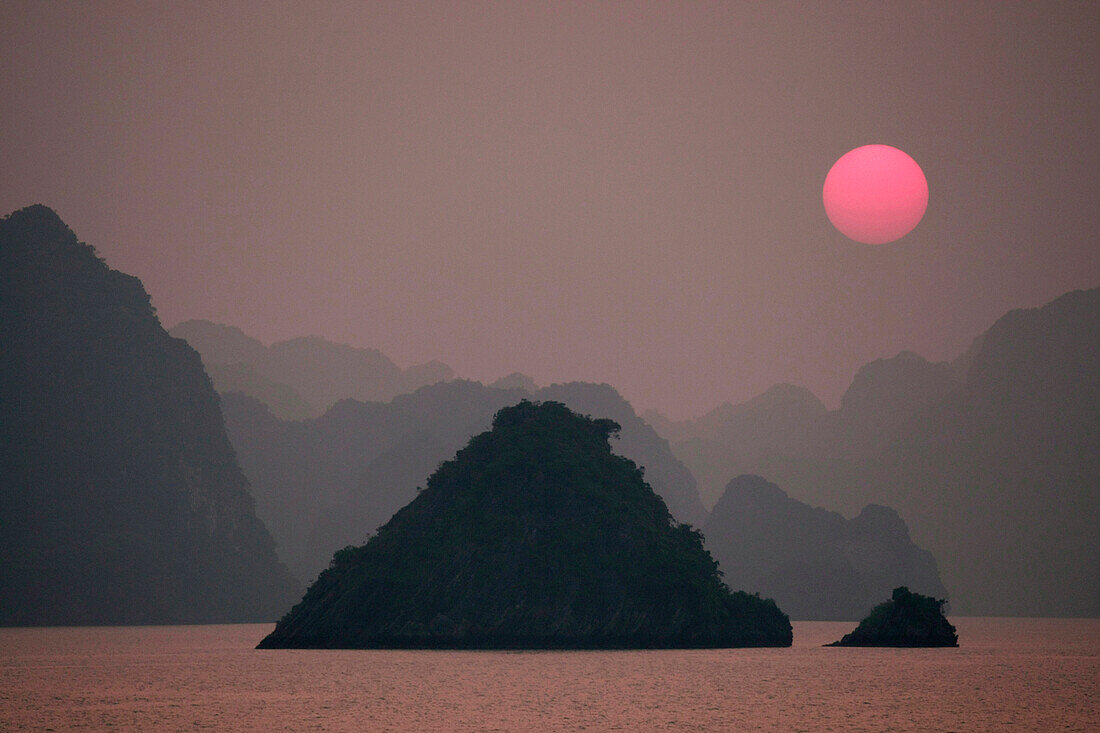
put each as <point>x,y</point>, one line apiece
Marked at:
<point>1018,411</point>
<point>322,484</point>
<point>125,499</point>
<point>787,429</point>
<point>993,459</point>
<point>815,563</point>
<point>302,377</point>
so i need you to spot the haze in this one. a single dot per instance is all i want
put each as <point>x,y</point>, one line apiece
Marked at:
<point>622,193</point>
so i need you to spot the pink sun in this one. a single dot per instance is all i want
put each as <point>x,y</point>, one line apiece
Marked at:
<point>875,194</point>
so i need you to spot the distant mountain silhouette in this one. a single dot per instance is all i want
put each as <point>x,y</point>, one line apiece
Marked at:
<point>516,380</point>
<point>731,439</point>
<point>1002,478</point>
<point>327,482</point>
<point>282,399</point>
<point>816,564</point>
<point>387,483</point>
<point>120,499</point>
<point>324,483</point>
<point>533,536</point>
<point>994,460</point>
<point>302,377</point>
<point>220,344</point>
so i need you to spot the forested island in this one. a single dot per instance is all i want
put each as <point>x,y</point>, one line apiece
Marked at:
<point>534,536</point>
<point>907,620</point>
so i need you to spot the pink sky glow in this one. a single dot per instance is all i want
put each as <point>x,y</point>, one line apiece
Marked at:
<point>618,192</point>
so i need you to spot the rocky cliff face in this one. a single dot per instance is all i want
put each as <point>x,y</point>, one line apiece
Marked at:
<point>815,563</point>
<point>120,498</point>
<point>535,535</point>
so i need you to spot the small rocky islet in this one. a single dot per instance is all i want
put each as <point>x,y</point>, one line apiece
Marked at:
<point>906,620</point>
<point>534,536</point>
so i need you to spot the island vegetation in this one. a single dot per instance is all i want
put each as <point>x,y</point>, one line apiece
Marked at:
<point>906,620</point>
<point>534,536</point>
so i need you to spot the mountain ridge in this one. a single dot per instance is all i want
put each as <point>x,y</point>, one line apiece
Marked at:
<point>816,564</point>
<point>302,376</point>
<point>994,459</point>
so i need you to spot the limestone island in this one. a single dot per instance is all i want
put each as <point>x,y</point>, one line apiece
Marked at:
<point>906,620</point>
<point>534,536</point>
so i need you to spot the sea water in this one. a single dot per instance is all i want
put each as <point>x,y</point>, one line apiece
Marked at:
<point>1007,674</point>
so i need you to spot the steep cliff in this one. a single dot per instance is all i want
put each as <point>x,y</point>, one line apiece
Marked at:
<point>120,498</point>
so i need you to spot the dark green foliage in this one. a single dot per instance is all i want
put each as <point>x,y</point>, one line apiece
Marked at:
<point>638,441</point>
<point>534,536</point>
<point>906,620</point>
<point>120,498</point>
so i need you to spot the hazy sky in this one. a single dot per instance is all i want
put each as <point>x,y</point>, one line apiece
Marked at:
<point>622,192</point>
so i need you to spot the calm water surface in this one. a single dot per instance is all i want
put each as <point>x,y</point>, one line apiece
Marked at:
<point>1009,674</point>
